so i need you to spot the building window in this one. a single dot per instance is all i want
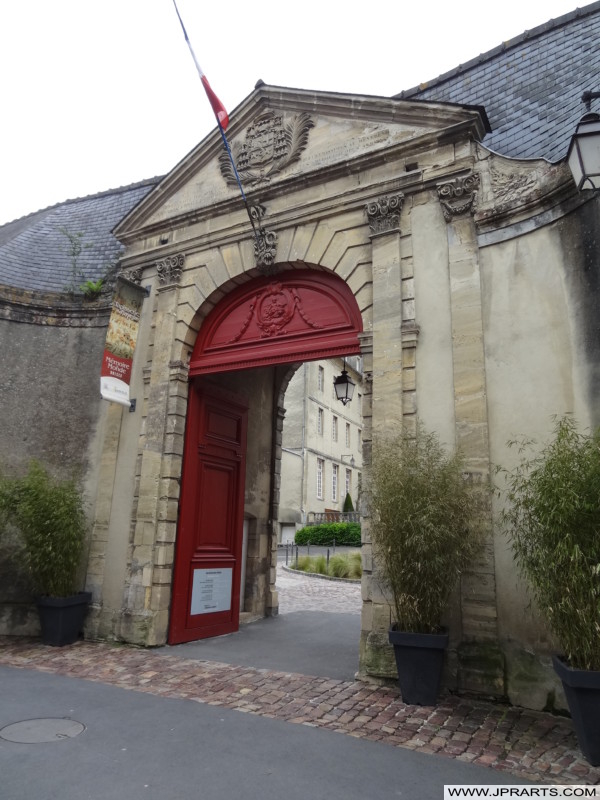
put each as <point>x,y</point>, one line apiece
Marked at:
<point>320,421</point>
<point>347,434</point>
<point>334,482</point>
<point>334,428</point>
<point>320,378</point>
<point>348,481</point>
<point>320,468</point>
<point>359,438</point>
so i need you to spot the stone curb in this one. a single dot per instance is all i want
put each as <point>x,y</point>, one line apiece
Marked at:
<point>353,581</point>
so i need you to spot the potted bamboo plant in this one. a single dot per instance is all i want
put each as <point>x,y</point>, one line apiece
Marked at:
<point>552,518</point>
<point>424,531</point>
<point>49,516</point>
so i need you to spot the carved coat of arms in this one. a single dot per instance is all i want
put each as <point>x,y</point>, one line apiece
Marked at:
<point>273,309</point>
<point>271,145</point>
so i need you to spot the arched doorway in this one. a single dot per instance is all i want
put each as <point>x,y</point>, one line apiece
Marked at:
<point>299,315</point>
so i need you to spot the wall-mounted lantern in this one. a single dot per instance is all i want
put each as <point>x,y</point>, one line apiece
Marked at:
<point>344,386</point>
<point>584,151</point>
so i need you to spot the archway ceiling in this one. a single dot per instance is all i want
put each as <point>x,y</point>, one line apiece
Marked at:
<point>299,315</point>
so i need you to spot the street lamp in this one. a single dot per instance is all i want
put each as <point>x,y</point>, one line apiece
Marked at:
<point>584,151</point>
<point>344,386</point>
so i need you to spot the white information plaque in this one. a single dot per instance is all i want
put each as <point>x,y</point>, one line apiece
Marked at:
<point>211,590</point>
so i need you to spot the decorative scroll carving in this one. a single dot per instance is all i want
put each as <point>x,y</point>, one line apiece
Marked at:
<point>272,310</point>
<point>457,196</point>
<point>133,275</point>
<point>271,146</point>
<point>170,269</point>
<point>384,214</point>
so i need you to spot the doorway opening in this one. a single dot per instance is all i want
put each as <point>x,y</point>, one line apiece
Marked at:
<point>248,348</point>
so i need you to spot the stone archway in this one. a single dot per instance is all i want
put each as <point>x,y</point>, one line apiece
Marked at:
<point>237,371</point>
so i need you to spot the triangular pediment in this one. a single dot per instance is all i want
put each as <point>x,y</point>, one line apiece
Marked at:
<point>278,135</point>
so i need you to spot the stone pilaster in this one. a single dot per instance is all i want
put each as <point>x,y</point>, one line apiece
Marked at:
<point>383,409</point>
<point>384,222</point>
<point>150,566</point>
<point>480,662</point>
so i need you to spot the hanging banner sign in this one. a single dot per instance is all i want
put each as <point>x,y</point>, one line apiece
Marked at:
<point>121,337</point>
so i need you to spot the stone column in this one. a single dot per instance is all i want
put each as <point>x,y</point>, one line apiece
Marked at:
<point>481,665</point>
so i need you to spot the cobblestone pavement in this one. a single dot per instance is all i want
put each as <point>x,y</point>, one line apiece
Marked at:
<point>531,745</point>
<point>298,592</point>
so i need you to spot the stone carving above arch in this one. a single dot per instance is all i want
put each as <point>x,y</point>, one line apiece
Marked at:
<point>383,214</point>
<point>169,269</point>
<point>265,242</point>
<point>457,196</point>
<point>299,315</point>
<point>272,144</point>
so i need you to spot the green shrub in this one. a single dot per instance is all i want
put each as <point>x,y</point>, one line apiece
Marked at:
<point>341,565</point>
<point>342,533</point>
<point>355,564</point>
<point>424,526</point>
<point>50,518</point>
<point>348,505</point>
<point>319,565</point>
<point>338,566</point>
<point>303,563</point>
<point>553,522</point>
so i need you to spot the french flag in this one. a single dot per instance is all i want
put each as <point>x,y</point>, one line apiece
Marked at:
<point>217,106</point>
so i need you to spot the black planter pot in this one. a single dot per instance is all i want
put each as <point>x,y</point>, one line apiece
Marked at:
<point>420,662</point>
<point>61,618</point>
<point>582,690</point>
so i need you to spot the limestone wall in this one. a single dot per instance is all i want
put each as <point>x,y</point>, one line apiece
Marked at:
<point>50,354</point>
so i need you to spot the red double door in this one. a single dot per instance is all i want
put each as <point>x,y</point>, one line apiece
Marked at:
<point>208,568</point>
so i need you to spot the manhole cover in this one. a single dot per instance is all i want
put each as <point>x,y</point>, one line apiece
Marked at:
<point>34,731</point>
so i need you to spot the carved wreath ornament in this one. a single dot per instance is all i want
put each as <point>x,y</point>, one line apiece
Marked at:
<point>273,309</point>
<point>271,145</point>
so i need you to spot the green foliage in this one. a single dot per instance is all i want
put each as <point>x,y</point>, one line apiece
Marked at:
<point>50,518</point>
<point>338,566</point>
<point>355,564</point>
<point>74,250</point>
<point>424,525</point>
<point>342,533</point>
<point>552,519</point>
<point>348,506</point>
<point>304,564</point>
<point>341,565</point>
<point>319,565</point>
<point>92,289</point>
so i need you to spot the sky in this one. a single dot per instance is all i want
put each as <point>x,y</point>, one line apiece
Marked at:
<point>97,95</point>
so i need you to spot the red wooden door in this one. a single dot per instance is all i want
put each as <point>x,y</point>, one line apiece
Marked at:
<point>206,583</point>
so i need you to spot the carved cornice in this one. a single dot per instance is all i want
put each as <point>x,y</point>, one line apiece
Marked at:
<point>457,196</point>
<point>169,269</point>
<point>383,214</point>
<point>272,144</point>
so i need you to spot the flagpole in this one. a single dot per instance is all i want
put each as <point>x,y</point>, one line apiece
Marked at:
<point>213,100</point>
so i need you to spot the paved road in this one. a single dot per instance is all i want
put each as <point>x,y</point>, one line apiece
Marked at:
<point>166,723</point>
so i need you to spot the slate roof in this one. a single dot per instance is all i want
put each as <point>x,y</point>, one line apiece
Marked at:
<point>35,251</point>
<point>530,86</point>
